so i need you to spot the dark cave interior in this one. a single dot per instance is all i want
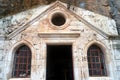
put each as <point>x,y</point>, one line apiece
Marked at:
<point>59,62</point>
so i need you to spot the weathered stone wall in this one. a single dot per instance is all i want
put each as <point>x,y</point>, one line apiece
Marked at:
<point>38,41</point>
<point>116,54</point>
<point>2,59</point>
<point>81,31</point>
<point>100,7</point>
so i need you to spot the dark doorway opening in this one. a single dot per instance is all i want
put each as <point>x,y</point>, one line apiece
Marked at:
<point>59,62</point>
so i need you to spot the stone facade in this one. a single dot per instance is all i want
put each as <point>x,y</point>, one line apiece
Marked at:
<point>81,29</point>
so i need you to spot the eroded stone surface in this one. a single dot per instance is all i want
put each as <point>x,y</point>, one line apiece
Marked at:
<point>88,28</point>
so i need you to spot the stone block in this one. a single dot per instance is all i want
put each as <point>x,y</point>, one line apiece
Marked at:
<point>117,64</point>
<point>117,57</point>
<point>116,45</point>
<point>1,76</point>
<point>118,68</point>
<point>0,70</point>
<point>117,76</point>
<point>1,57</point>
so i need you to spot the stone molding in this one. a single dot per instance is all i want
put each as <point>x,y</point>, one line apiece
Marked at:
<point>59,35</point>
<point>19,79</point>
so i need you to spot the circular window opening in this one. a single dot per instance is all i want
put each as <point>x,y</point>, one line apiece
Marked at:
<point>58,19</point>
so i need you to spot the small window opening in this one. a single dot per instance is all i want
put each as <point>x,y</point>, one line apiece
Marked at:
<point>58,19</point>
<point>96,61</point>
<point>22,63</point>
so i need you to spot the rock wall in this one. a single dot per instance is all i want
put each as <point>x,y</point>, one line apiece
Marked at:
<point>115,12</point>
<point>8,7</point>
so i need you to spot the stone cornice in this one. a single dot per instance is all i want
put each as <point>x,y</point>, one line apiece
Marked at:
<point>114,37</point>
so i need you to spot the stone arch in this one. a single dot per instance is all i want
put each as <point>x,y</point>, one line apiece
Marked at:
<point>105,51</point>
<point>102,46</point>
<point>20,43</point>
<point>13,50</point>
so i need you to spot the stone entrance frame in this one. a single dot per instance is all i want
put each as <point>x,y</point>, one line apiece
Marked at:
<point>61,39</point>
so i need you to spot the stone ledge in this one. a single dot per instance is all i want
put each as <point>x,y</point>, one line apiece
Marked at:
<point>19,79</point>
<point>100,78</point>
<point>59,35</point>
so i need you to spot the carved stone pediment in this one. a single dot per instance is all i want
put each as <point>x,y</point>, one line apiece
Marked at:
<point>62,7</point>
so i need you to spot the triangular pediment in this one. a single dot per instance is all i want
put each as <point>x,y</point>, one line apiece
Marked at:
<point>55,6</point>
